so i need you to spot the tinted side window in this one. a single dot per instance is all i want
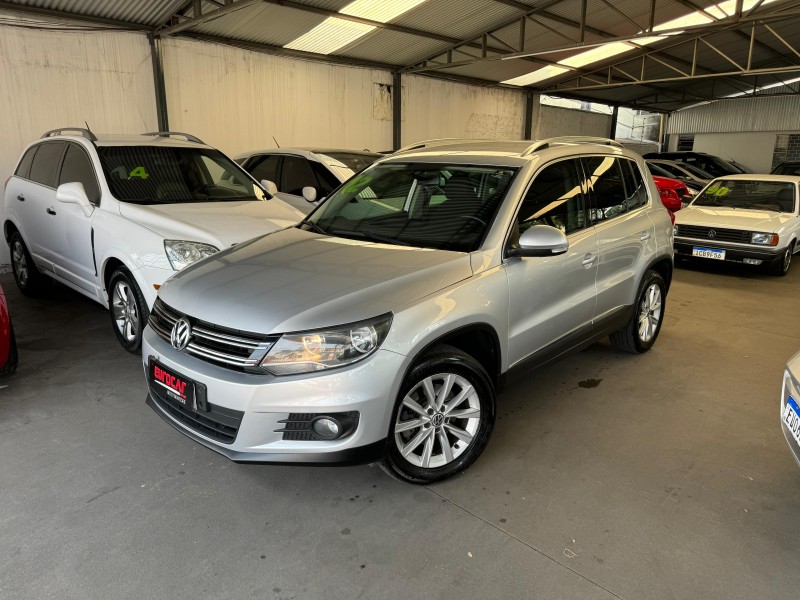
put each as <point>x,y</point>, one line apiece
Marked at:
<point>325,179</point>
<point>44,169</point>
<point>296,173</point>
<point>265,167</point>
<point>635,190</point>
<point>554,199</point>
<point>608,191</point>
<point>77,167</point>
<point>24,167</point>
<point>671,169</point>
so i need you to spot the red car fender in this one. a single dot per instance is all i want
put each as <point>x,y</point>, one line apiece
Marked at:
<point>5,329</point>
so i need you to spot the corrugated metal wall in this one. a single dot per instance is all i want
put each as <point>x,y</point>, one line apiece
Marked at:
<point>739,115</point>
<point>237,100</point>
<point>436,109</point>
<point>52,79</point>
<point>554,121</point>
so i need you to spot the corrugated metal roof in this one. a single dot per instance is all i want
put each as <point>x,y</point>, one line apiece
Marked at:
<point>392,47</point>
<point>145,12</point>
<point>734,116</point>
<point>456,18</point>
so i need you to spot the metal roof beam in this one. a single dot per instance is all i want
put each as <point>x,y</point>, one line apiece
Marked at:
<point>198,17</point>
<point>59,14</point>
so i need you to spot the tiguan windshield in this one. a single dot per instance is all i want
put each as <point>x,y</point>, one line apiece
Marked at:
<point>173,175</point>
<point>779,196</point>
<point>416,204</point>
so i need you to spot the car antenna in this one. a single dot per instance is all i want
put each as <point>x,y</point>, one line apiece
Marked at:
<point>89,129</point>
<point>276,142</point>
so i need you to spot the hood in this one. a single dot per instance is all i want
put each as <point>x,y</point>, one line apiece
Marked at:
<point>295,280</point>
<point>740,218</point>
<point>219,223</point>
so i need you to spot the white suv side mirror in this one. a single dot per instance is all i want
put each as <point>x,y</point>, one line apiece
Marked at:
<point>310,193</point>
<point>74,193</point>
<point>270,186</point>
<point>541,240</point>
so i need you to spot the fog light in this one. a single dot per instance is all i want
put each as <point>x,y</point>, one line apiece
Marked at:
<point>752,261</point>
<point>326,427</point>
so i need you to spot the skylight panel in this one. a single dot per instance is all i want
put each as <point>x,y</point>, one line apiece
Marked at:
<point>380,10</point>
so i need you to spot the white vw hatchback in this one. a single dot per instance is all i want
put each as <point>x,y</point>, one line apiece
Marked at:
<point>113,217</point>
<point>750,219</point>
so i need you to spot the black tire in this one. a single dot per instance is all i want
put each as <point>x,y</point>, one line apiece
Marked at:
<point>629,338</point>
<point>11,362</point>
<point>128,311</point>
<point>781,267</point>
<point>29,280</point>
<point>478,421</point>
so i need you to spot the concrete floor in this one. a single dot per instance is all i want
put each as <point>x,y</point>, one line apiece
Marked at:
<point>668,479</point>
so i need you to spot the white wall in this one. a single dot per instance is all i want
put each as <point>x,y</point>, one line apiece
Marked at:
<point>237,100</point>
<point>552,121</point>
<point>753,150</point>
<point>52,79</point>
<point>441,109</point>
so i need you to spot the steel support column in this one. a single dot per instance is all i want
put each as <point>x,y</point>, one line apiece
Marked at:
<point>397,110</point>
<point>158,83</point>
<point>612,128</point>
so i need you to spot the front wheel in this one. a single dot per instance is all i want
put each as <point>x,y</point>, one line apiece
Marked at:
<point>781,267</point>
<point>641,332</point>
<point>128,309</point>
<point>443,418</point>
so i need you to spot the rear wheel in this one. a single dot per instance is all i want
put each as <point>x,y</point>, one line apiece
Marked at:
<point>442,420</point>
<point>29,280</point>
<point>781,267</point>
<point>128,309</point>
<point>641,332</point>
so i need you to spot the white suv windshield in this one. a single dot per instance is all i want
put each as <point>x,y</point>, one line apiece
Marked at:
<point>168,175</point>
<point>739,193</point>
<point>416,204</point>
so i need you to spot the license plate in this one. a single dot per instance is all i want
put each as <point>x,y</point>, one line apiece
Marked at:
<point>791,418</point>
<point>708,253</point>
<point>172,384</point>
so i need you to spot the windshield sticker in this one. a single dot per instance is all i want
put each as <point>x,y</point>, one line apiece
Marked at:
<point>722,191</point>
<point>139,172</point>
<point>712,190</point>
<point>357,184</point>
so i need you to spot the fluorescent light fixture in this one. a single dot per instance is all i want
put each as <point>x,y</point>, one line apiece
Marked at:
<point>606,51</point>
<point>334,33</point>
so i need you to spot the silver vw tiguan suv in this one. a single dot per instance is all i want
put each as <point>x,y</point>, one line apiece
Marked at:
<point>383,325</point>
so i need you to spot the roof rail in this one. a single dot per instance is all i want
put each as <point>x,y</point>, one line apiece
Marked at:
<point>189,137</point>
<point>566,140</point>
<point>433,142</point>
<point>80,130</point>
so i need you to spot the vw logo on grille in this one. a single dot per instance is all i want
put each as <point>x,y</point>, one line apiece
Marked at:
<point>181,334</point>
<point>712,234</point>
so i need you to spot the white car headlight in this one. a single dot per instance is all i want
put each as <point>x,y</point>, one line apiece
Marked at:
<point>182,253</point>
<point>326,349</point>
<point>767,239</point>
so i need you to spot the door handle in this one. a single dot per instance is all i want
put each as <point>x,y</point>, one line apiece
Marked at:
<point>588,259</point>
<point>645,236</point>
<point>20,197</point>
<point>50,211</point>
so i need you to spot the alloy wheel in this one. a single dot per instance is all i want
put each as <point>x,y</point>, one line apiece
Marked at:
<point>125,310</point>
<point>649,313</point>
<point>787,259</point>
<point>20,263</point>
<point>437,421</point>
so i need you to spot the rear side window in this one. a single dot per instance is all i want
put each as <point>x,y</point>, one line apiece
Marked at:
<point>265,167</point>
<point>296,174</point>
<point>635,190</point>
<point>44,169</point>
<point>608,190</point>
<point>24,167</point>
<point>78,168</point>
<point>554,199</point>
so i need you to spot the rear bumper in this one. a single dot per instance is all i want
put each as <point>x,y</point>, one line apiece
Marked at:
<point>733,252</point>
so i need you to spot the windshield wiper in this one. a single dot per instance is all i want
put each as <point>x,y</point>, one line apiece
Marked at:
<point>371,237</point>
<point>314,227</point>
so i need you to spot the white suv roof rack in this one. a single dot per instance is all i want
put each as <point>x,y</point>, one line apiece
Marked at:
<point>433,142</point>
<point>566,140</point>
<point>79,130</point>
<point>188,136</point>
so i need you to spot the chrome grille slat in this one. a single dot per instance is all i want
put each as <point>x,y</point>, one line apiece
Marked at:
<point>698,232</point>
<point>229,348</point>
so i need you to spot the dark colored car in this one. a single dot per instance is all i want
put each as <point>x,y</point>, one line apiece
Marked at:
<point>709,163</point>
<point>8,343</point>
<point>789,167</point>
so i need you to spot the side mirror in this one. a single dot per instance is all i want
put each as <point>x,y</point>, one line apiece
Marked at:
<point>270,186</point>
<point>541,240</point>
<point>73,193</point>
<point>310,193</point>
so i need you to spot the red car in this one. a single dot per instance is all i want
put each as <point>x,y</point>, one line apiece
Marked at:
<point>673,194</point>
<point>8,344</point>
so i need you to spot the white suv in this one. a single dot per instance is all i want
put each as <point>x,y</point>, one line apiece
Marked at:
<point>114,217</point>
<point>381,326</point>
